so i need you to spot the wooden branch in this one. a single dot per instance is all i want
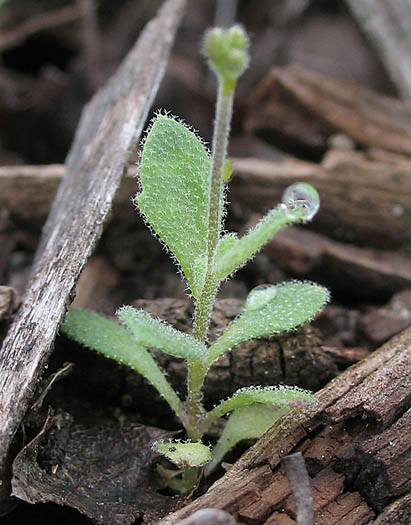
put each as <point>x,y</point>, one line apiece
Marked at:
<point>386,23</point>
<point>362,201</point>
<point>356,447</point>
<point>354,271</point>
<point>307,108</point>
<point>110,125</point>
<point>28,191</point>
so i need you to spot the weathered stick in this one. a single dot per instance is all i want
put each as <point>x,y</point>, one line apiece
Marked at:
<point>307,108</point>
<point>355,443</point>
<point>110,125</point>
<point>386,23</point>
<point>361,201</point>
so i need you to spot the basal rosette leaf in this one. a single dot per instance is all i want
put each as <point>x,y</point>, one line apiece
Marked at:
<point>272,309</point>
<point>184,454</point>
<point>112,340</point>
<point>249,422</point>
<point>278,396</point>
<point>174,174</point>
<point>255,410</point>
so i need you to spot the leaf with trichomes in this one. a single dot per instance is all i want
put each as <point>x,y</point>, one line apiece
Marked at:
<point>114,341</point>
<point>249,422</point>
<point>300,203</point>
<point>174,173</point>
<point>154,333</point>
<point>270,310</point>
<point>184,455</point>
<point>256,409</point>
<point>278,396</point>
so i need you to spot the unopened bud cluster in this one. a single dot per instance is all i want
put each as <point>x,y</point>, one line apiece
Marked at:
<point>227,53</point>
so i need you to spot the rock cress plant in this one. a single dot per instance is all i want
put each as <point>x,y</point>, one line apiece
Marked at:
<point>182,199</point>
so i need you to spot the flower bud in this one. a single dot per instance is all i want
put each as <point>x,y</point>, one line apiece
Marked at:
<point>227,53</point>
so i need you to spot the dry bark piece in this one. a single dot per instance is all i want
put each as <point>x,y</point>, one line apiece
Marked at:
<point>103,472</point>
<point>110,124</point>
<point>397,512</point>
<point>299,480</point>
<point>208,517</point>
<point>379,465</point>
<point>362,201</point>
<point>358,413</point>
<point>361,272</point>
<point>308,108</point>
<point>380,324</point>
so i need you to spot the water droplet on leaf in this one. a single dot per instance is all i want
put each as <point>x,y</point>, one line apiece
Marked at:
<point>301,201</point>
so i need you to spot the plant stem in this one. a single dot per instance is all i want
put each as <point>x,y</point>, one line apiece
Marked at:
<point>219,149</point>
<point>204,304</point>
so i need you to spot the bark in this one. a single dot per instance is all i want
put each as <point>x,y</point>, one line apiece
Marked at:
<point>362,201</point>
<point>307,108</point>
<point>109,127</point>
<point>355,442</point>
<point>386,23</point>
<point>358,272</point>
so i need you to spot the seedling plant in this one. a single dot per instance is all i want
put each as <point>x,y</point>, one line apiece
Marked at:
<point>182,199</point>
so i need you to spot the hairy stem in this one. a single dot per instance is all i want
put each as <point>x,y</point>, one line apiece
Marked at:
<point>220,138</point>
<point>204,304</point>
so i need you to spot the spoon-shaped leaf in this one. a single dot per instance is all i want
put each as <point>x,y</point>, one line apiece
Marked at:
<point>174,173</point>
<point>272,309</point>
<point>114,341</point>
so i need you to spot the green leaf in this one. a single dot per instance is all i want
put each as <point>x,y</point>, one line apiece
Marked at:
<point>300,203</point>
<point>249,422</point>
<point>232,253</point>
<point>184,455</point>
<point>256,409</point>
<point>112,340</point>
<point>174,173</point>
<point>280,397</point>
<point>155,333</point>
<point>272,309</point>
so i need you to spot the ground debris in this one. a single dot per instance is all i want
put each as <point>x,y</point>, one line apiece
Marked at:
<point>103,472</point>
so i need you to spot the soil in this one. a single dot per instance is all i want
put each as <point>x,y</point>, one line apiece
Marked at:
<point>95,412</point>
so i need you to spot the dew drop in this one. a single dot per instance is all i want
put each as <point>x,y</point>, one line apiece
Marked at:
<point>301,201</point>
<point>260,296</point>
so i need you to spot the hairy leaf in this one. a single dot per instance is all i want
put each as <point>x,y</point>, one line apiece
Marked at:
<point>114,341</point>
<point>174,172</point>
<point>232,253</point>
<point>249,422</point>
<point>184,455</point>
<point>280,397</point>
<point>154,333</point>
<point>272,309</point>
<point>300,203</point>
